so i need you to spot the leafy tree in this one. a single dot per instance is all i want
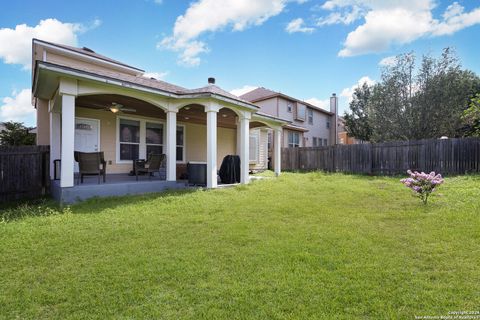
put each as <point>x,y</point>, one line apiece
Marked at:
<point>16,134</point>
<point>471,116</point>
<point>411,103</point>
<point>357,123</point>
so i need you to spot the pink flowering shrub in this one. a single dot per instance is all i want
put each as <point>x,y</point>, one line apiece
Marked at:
<point>422,184</point>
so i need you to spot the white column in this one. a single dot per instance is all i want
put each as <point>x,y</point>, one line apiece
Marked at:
<point>244,148</point>
<point>239,133</point>
<point>211,145</point>
<point>55,135</point>
<point>68,137</point>
<point>171,145</point>
<point>277,151</point>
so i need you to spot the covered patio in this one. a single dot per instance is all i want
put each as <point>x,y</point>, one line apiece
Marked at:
<point>196,125</point>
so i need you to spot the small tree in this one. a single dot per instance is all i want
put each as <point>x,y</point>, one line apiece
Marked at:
<point>16,134</point>
<point>422,184</point>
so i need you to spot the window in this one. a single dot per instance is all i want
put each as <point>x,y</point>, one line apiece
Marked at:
<point>154,138</point>
<point>301,112</point>
<point>129,137</point>
<point>314,141</point>
<point>328,124</point>
<point>310,116</point>
<point>325,142</point>
<point>289,106</point>
<point>138,138</point>
<point>180,143</point>
<point>293,139</point>
<point>253,147</point>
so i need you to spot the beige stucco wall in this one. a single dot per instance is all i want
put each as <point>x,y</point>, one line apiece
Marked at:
<point>43,122</point>
<point>195,139</point>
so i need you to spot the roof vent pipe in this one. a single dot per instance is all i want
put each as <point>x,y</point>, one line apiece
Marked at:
<point>211,80</point>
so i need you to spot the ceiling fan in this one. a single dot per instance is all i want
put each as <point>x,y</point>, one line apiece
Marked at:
<point>117,107</point>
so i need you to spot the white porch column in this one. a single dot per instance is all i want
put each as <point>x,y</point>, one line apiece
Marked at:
<point>245,147</point>
<point>277,151</point>
<point>212,111</point>
<point>68,137</point>
<point>55,135</point>
<point>171,145</point>
<point>239,134</point>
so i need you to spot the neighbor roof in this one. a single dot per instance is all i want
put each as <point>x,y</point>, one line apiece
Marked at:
<point>261,94</point>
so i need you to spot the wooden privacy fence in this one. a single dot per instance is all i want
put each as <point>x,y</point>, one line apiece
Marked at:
<point>24,172</point>
<point>447,156</point>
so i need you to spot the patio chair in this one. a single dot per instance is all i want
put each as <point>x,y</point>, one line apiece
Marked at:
<point>91,164</point>
<point>153,164</point>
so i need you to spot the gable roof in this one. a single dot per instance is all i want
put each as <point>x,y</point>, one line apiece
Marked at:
<point>261,94</point>
<point>87,52</point>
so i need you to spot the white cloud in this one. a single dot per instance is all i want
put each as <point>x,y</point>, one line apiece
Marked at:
<point>156,75</point>
<point>18,108</point>
<point>324,104</point>
<point>387,61</point>
<point>16,44</point>
<point>298,25</point>
<point>240,91</point>
<point>211,15</point>
<point>347,93</point>
<point>393,22</point>
<point>346,18</point>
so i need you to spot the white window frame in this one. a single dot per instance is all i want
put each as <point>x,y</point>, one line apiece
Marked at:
<point>142,149</point>
<point>293,144</point>
<point>152,144</point>
<point>254,134</point>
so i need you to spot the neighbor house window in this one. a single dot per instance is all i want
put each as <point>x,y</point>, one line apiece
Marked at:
<point>129,137</point>
<point>154,138</point>
<point>180,143</point>
<point>253,147</point>
<point>289,106</point>
<point>325,142</point>
<point>310,116</point>
<point>301,112</point>
<point>293,139</point>
<point>328,124</point>
<point>315,142</point>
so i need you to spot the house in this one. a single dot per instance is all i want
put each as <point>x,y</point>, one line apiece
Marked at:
<point>308,125</point>
<point>89,102</point>
<point>343,137</point>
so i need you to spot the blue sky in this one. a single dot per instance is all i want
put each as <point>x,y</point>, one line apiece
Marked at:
<point>307,49</point>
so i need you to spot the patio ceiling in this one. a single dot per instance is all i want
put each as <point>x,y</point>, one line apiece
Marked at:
<point>193,113</point>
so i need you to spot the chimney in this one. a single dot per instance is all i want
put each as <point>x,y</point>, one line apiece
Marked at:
<point>334,110</point>
<point>211,80</point>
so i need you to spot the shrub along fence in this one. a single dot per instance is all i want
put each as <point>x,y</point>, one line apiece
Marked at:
<point>447,156</point>
<point>24,172</point>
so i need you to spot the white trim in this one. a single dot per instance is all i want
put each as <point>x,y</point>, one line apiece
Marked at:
<point>86,56</point>
<point>99,129</point>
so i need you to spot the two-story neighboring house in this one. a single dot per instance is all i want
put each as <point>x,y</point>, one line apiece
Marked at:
<point>310,126</point>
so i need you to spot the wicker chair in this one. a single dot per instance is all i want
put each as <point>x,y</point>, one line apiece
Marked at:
<point>91,164</point>
<point>153,164</point>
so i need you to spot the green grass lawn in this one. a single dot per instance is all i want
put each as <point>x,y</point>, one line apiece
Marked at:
<point>302,246</point>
